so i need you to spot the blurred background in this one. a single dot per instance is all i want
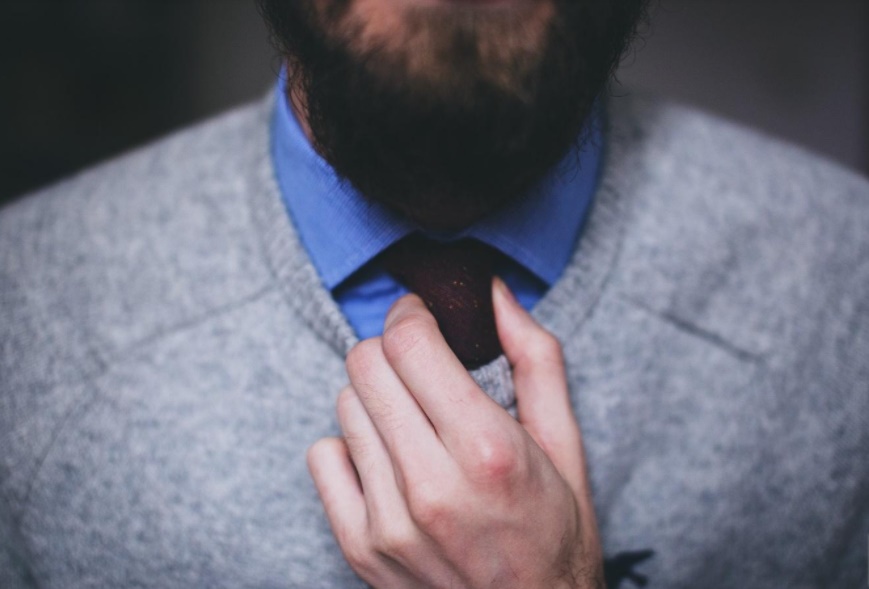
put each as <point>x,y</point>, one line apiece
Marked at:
<point>83,80</point>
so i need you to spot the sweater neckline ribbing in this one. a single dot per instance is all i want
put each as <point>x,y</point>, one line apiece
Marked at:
<point>562,310</point>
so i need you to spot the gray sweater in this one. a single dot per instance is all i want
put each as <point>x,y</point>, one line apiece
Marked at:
<point>168,354</point>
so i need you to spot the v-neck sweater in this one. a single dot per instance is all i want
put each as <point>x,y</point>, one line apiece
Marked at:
<point>169,353</point>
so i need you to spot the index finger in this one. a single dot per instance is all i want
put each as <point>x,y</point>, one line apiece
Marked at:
<point>416,350</point>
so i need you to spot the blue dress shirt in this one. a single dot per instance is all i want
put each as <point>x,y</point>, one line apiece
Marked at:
<point>343,232</point>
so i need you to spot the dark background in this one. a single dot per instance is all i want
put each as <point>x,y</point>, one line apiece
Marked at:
<point>81,80</point>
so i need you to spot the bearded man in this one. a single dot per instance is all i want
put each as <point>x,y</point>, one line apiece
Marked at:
<point>178,326</point>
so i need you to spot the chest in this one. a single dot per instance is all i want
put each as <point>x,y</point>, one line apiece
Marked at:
<point>187,466</point>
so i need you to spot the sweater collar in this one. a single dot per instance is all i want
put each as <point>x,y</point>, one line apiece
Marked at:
<point>342,231</point>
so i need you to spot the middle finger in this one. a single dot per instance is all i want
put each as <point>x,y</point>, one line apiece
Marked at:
<point>369,456</point>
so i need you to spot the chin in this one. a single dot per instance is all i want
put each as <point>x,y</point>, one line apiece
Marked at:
<point>420,36</point>
<point>449,105</point>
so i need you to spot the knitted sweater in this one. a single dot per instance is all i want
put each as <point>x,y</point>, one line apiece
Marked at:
<point>168,354</point>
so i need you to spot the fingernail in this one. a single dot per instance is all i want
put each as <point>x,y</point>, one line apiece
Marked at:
<point>397,310</point>
<point>504,290</point>
<point>390,316</point>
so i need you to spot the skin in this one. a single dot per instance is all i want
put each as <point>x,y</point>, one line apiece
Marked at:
<point>447,110</point>
<point>434,485</point>
<point>437,86</point>
<point>382,24</point>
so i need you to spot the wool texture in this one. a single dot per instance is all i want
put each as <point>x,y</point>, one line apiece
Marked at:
<point>168,354</point>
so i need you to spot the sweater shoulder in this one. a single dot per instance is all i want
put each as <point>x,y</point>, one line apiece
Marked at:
<point>191,162</point>
<point>755,240</point>
<point>119,254</point>
<point>159,231</point>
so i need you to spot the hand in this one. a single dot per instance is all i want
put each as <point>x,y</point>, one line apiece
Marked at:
<point>435,485</point>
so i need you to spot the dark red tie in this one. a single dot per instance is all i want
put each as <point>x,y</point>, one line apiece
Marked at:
<point>455,280</point>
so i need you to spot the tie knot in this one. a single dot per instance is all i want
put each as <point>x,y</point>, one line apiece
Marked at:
<point>454,279</point>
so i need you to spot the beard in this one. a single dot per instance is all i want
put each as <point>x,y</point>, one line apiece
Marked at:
<point>447,112</point>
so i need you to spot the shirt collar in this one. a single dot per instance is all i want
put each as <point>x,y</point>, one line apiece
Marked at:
<point>342,231</point>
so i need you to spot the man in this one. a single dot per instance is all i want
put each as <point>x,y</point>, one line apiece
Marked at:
<point>177,326</point>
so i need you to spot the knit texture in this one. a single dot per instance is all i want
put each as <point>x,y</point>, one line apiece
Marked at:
<point>167,354</point>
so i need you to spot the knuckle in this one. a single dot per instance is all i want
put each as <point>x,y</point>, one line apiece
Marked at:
<point>494,459</point>
<point>559,442</point>
<point>345,402</point>
<point>550,443</point>
<point>362,356</point>
<point>320,450</point>
<point>393,539</point>
<point>428,506</point>
<point>406,334</point>
<point>357,555</point>
<point>545,348</point>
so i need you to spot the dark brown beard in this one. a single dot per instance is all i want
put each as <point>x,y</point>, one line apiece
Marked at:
<point>450,121</point>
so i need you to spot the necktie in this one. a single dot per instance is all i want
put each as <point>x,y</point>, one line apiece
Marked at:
<point>455,281</point>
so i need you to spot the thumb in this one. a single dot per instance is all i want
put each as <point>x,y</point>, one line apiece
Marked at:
<point>542,396</point>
